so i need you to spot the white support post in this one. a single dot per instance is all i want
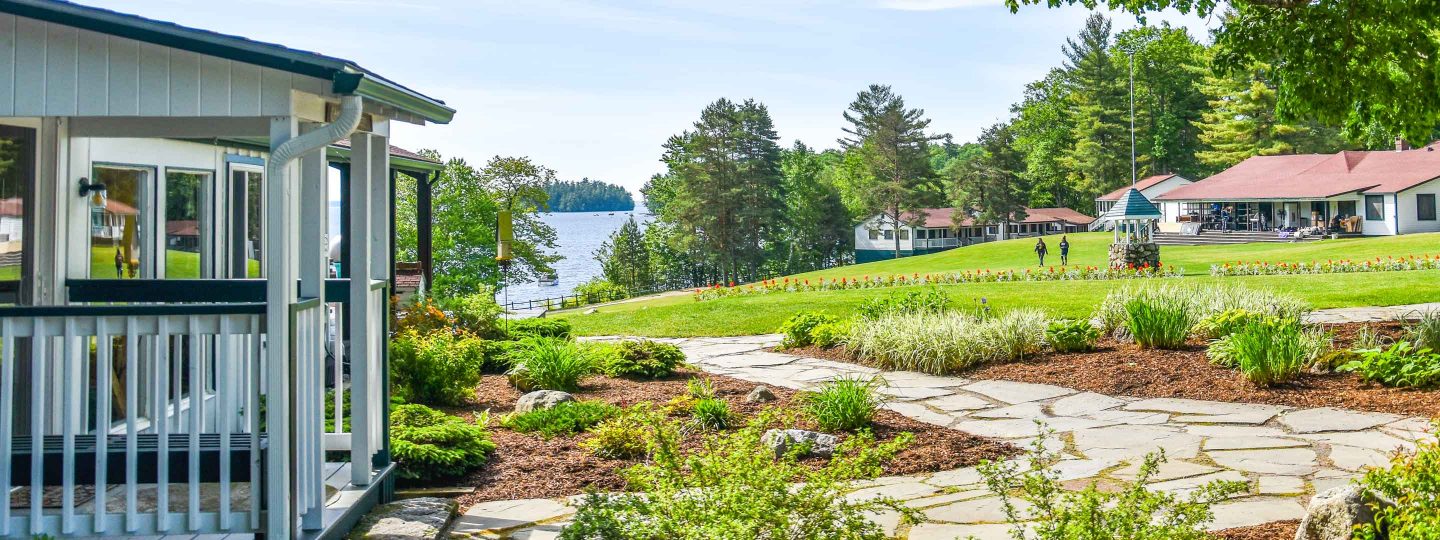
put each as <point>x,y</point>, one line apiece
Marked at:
<point>314,215</point>
<point>281,197</point>
<point>358,268</point>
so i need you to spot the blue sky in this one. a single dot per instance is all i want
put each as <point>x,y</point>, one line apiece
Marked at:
<point>592,89</point>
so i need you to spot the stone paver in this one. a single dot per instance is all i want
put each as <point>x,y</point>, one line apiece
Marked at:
<point>1370,313</point>
<point>1284,454</point>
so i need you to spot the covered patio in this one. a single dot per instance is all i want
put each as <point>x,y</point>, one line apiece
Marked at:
<point>176,357</point>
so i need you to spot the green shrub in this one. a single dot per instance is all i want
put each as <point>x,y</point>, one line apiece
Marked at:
<point>1052,512</point>
<point>476,313</point>
<point>566,418</point>
<point>623,436</point>
<point>1072,335</point>
<point>1367,337</point>
<point>829,334</point>
<point>1218,325</point>
<point>799,327</point>
<point>642,358</point>
<point>711,413</point>
<point>1400,365</point>
<point>1159,323</point>
<point>1202,301</point>
<point>1266,352</point>
<point>427,444</point>
<point>941,343</point>
<point>931,300</point>
<point>549,364</point>
<point>538,328</point>
<point>700,388</point>
<point>844,404</point>
<point>500,355</point>
<point>1425,333</point>
<point>733,487</point>
<point>596,291</point>
<point>439,368</point>
<point>1412,483</point>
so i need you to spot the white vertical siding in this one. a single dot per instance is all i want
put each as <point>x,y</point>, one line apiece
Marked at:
<point>55,70</point>
<point>1410,211</point>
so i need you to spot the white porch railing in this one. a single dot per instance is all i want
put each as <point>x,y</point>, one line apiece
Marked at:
<point>140,420</point>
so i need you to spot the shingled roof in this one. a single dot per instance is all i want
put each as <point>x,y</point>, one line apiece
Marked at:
<point>1315,176</point>
<point>942,217</point>
<point>1142,185</point>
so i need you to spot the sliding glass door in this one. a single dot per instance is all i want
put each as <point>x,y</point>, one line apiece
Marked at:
<point>17,211</point>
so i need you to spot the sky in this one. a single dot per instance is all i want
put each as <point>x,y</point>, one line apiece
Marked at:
<point>593,89</point>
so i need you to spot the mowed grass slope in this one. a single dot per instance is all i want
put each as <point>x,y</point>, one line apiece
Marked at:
<point>1090,249</point>
<point>681,315</point>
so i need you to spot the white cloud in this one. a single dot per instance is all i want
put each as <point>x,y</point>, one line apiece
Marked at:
<point>937,5</point>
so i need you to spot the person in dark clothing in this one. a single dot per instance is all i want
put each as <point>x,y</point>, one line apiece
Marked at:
<point>1064,250</point>
<point>119,264</point>
<point>1041,250</point>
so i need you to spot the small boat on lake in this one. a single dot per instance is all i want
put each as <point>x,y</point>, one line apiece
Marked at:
<point>550,280</point>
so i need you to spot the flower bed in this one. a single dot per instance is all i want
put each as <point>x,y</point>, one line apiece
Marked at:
<point>1343,266</point>
<point>1053,273</point>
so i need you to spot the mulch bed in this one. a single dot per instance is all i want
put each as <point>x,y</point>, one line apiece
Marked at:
<point>1275,530</point>
<point>528,466</point>
<point>1117,368</point>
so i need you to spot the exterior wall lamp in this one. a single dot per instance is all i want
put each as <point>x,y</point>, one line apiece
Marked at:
<point>94,190</point>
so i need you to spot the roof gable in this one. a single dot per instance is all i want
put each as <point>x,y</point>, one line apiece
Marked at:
<point>1316,175</point>
<point>1143,184</point>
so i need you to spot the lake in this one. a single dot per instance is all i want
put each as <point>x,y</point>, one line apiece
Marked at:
<point>578,235</point>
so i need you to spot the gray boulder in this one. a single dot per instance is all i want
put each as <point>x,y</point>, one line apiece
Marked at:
<point>783,440</point>
<point>1333,514</point>
<point>760,394</point>
<point>541,399</point>
<point>408,519</point>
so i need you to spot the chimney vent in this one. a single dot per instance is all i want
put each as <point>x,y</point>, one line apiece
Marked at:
<point>1401,145</point>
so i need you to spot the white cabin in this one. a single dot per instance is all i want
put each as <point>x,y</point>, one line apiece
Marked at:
<point>172,344</point>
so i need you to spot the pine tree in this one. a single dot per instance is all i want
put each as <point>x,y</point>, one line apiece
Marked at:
<point>1242,123</point>
<point>625,259</point>
<point>1099,160</point>
<point>891,142</point>
<point>991,185</point>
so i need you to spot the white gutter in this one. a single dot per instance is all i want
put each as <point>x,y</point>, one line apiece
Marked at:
<point>343,126</point>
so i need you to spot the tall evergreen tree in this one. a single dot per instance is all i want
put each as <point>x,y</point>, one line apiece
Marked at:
<point>890,140</point>
<point>1099,160</point>
<point>817,230</point>
<point>991,186</point>
<point>1242,123</point>
<point>1169,66</point>
<point>625,259</point>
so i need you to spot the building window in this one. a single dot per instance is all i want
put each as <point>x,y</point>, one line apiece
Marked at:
<point>1425,206</point>
<point>187,225</point>
<point>119,244</point>
<point>874,234</point>
<point>889,235</point>
<point>1374,208</point>
<point>1346,209</point>
<point>904,234</point>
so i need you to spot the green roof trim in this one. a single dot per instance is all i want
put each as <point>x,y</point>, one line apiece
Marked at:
<point>1131,205</point>
<point>346,77</point>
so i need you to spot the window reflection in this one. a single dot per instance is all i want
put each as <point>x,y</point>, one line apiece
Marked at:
<point>187,225</point>
<point>116,231</point>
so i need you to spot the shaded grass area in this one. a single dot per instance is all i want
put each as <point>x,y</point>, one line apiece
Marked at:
<point>682,316</point>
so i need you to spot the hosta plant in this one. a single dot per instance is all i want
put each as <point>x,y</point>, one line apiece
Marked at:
<point>1071,335</point>
<point>1401,364</point>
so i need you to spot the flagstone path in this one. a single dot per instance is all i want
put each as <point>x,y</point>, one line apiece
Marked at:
<point>1285,454</point>
<point>1371,313</point>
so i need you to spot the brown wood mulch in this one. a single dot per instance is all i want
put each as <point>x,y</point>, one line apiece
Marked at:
<point>1275,530</point>
<point>1125,369</point>
<point>528,466</point>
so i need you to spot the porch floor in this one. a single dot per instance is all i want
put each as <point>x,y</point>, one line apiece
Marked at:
<point>341,498</point>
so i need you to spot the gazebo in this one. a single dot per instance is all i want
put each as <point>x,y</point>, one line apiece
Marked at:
<point>1133,220</point>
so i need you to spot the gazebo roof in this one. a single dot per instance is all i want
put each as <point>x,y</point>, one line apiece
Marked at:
<point>1131,205</point>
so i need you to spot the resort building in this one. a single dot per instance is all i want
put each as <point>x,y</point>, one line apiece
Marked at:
<point>935,229</point>
<point>1370,193</point>
<point>178,354</point>
<point>1150,186</point>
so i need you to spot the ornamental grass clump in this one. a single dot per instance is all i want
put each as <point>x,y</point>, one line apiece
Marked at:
<point>1049,511</point>
<point>844,404</point>
<point>711,413</point>
<point>1425,333</point>
<point>1159,322</point>
<point>942,343</point>
<point>428,444</point>
<point>550,364</point>
<point>1202,301</point>
<point>1071,335</point>
<point>734,487</point>
<point>1218,325</point>
<point>1266,352</point>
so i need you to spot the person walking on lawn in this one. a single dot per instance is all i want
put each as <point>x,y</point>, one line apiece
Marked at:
<point>1064,250</point>
<point>1041,250</point>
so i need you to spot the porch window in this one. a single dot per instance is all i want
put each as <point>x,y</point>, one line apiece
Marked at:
<point>187,225</point>
<point>1346,208</point>
<point>117,237</point>
<point>1425,206</point>
<point>246,222</point>
<point>1374,208</point>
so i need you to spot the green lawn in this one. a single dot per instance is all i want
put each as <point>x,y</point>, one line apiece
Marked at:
<point>1090,249</point>
<point>678,316</point>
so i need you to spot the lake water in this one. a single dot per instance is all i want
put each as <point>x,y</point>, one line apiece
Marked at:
<point>578,235</point>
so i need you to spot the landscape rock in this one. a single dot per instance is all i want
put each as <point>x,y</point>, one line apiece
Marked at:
<point>761,394</point>
<point>1334,513</point>
<point>591,311</point>
<point>408,519</point>
<point>782,440</point>
<point>541,399</point>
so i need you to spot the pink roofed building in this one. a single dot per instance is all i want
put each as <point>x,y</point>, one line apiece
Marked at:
<point>1370,193</point>
<point>1150,186</point>
<point>933,230</point>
